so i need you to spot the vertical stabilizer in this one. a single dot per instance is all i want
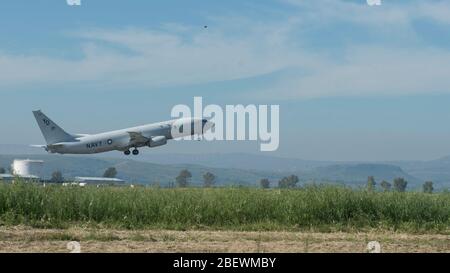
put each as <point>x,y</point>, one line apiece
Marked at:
<point>51,131</point>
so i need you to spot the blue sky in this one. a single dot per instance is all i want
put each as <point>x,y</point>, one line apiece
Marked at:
<point>353,82</point>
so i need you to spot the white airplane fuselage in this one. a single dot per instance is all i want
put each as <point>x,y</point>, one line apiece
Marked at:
<point>113,140</point>
<point>150,135</point>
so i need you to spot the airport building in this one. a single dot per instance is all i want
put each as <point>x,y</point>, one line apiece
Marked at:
<point>10,177</point>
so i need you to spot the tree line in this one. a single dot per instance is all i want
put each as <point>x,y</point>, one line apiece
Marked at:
<point>399,184</point>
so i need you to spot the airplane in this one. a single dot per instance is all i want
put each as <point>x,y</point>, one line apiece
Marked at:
<point>150,135</point>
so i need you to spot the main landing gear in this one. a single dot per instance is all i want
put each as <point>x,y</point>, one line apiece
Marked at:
<point>135,152</point>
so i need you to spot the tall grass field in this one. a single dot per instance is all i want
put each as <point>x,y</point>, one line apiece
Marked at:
<point>318,208</point>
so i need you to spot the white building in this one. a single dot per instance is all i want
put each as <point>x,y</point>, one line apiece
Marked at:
<point>27,168</point>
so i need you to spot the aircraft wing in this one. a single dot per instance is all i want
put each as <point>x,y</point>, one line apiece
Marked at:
<point>138,138</point>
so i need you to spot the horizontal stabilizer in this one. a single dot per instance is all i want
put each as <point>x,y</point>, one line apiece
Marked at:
<point>38,146</point>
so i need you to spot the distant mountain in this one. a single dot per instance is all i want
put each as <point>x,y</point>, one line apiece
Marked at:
<point>234,168</point>
<point>437,170</point>
<point>356,174</point>
<point>417,172</point>
<point>237,160</point>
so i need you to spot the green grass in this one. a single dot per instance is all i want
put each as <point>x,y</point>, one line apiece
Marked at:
<point>320,208</point>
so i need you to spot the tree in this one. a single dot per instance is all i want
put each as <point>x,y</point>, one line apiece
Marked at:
<point>265,183</point>
<point>386,185</point>
<point>2,170</point>
<point>183,178</point>
<point>428,187</point>
<point>288,182</point>
<point>400,184</point>
<point>209,179</point>
<point>371,183</point>
<point>57,177</point>
<point>110,173</point>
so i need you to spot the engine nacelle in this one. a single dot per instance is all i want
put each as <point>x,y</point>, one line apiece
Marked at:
<point>157,141</point>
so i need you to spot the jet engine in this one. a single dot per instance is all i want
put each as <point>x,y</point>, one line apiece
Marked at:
<point>157,141</point>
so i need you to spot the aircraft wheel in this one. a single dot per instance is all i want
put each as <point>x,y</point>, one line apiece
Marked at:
<point>127,152</point>
<point>135,151</point>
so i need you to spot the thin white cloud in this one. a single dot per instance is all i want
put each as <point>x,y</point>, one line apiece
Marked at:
<point>239,48</point>
<point>152,59</point>
<point>369,71</point>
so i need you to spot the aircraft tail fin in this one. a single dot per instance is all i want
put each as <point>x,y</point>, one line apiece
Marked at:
<point>51,131</point>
